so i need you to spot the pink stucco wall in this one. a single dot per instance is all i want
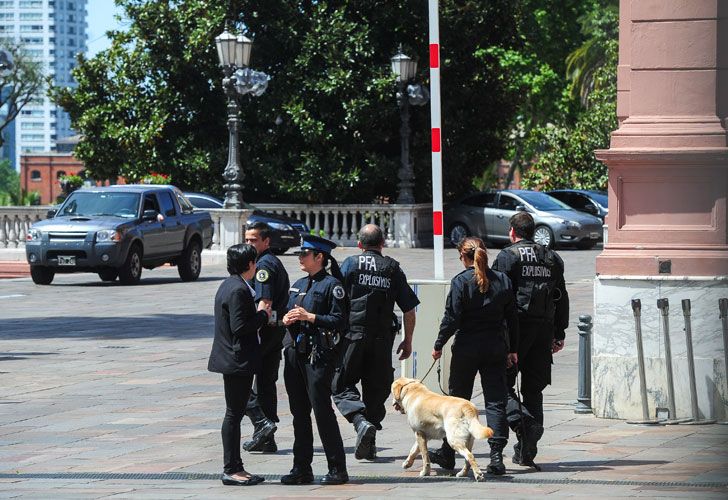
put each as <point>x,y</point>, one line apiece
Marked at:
<point>668,160</point>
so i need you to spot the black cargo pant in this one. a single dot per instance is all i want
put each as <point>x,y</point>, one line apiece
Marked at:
<point>365,358</point>
<point>534,364</point>
<point>487,356</point>
<point>309,388</point>
<point>264,394</point>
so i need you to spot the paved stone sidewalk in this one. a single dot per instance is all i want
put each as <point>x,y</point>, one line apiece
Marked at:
<point>105,393</point>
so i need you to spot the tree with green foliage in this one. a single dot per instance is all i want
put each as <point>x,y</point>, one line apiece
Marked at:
<point>21,80</point>
<point>564,151</point>
<point>327,128</point>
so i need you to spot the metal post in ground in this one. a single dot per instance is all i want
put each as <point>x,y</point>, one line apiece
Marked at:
<point>583,403</point>
<point>637,312</point>
<point>664,307</point>
<point>691,367</point>
<point>723,307</point>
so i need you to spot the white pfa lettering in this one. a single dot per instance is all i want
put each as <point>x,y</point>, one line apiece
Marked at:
<point>367,263</point>
<point>527,254</point>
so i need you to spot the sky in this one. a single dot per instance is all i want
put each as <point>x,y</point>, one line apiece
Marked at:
<point>100,20</point>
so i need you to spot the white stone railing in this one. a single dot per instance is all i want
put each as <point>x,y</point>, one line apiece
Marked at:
<point>15,223</point>
<point>405,226</point>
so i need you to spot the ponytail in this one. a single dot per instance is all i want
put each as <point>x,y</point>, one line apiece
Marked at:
<point>481,268</point>
<point>474,249</point>
<point>335,270</point>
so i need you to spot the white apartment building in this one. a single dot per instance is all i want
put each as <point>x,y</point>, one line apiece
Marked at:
<point>53,31</point>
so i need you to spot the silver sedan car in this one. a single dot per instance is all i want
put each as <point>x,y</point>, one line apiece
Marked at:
<point>486,214</point>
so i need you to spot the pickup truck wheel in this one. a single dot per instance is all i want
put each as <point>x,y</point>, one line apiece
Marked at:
<point>42,275</point>
<point>190,263</point>
<point>130,271</point>
<point>108,274</point>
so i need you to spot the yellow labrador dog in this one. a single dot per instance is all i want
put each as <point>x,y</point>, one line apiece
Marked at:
<point>433,416</point>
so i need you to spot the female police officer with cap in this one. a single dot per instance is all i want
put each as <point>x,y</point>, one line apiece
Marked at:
<point>316,313</point>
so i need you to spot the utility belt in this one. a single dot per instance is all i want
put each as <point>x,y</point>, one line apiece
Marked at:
<point>307,344</point>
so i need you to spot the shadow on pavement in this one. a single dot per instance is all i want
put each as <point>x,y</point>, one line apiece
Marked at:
<point>593,465</point>
<point>143,282</point>
<point>173,326</point>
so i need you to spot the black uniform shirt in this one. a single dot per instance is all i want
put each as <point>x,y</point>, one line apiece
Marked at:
<point>403,294</point>
<point>325,298</point>
<point>473,314</point>
<point>523,262</point>
<point>271,282</point>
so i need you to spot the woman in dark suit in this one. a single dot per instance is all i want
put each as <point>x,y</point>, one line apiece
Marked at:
<point>235,354</point>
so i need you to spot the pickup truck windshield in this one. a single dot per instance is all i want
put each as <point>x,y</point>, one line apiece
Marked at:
<point>92,204</point>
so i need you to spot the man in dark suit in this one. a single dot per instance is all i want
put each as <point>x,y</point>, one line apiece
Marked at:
<point>235,354</point>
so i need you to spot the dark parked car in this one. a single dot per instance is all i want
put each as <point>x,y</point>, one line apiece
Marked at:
<point>583,200</point>
<point>286,231</point>
<point>486,214</point>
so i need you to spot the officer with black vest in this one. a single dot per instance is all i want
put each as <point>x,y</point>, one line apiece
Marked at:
<point>537,274</point>
<point>271,287</point>
<point>375,283</point>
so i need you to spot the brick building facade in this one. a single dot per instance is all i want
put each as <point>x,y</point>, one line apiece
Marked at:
<point>41,173</point>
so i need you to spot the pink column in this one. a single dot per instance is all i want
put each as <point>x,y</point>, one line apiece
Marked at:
<point>668,160</point>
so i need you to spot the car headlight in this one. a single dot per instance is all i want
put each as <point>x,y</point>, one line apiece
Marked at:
<point>112,235</point>
<point>34,235</point>
<point>280,226</point>
<point>571,224</point>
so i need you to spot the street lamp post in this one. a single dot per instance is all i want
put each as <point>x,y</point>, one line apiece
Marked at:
<point>404,69</point>
<point>234,54</point>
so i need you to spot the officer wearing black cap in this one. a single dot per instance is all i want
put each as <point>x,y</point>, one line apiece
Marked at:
<point>271,287</point>
<point>375,283</point>
<point>316,315</point>
<point>537,274</point>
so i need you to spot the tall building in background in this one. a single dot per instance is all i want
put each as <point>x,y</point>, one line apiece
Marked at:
<point>53,32</point>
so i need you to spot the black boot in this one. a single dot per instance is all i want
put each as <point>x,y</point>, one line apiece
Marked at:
<point>267,446</point>
<point>336,475</point>
<point>444,457</point>
<point>297,476</point>
<point>496,466</point>
<point>365,434</point>
<point>372,451</point>
<point>525,450</point>
<point>264,429</point>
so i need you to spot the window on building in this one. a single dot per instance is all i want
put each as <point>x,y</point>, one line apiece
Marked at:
<point>60,174</point>
<point>35,175</point>
<point>32,137</point>
<point>32,125</point>
<point>71,6</point>
<point>7,16</point>
<point>71,29</point>
<point>31,16</point>
<point>7,4</point>
<point>71,42</point>
<point>30,4</point>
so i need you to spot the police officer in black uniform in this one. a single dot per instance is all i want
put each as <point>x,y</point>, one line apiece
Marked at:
<point>537,274</point>
<point>271,287</point>
<point>374,284</point>
<point>316,316</point>
<point>479,307</point>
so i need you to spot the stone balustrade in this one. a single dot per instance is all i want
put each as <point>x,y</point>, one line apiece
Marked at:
<point>15,223</point>
<point>404,226</point>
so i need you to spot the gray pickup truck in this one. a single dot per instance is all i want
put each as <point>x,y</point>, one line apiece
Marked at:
<point>117,230</point>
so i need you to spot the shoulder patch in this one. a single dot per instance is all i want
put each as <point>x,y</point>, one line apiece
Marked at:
<point>339,292</point>
<point>262,276</point>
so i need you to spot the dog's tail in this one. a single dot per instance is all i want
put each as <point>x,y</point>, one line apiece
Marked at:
<point>479,431</point>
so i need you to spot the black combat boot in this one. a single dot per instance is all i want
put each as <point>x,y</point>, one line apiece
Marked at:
<point>525,450</point>
<point>336,475</point>
<point>267,446</point>
<point>372,450</point>
<point>298,476</point>
<point>365,434</point>
<point>264,429</point>
<point>444,457</point>
<point>496,466</point>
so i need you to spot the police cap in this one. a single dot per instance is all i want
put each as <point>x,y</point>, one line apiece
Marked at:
<point>313,242</point>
